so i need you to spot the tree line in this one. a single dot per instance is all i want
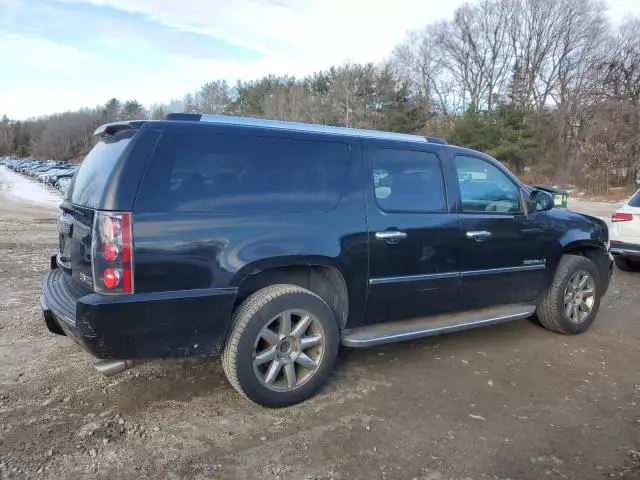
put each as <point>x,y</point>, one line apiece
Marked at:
<point>549,87</point>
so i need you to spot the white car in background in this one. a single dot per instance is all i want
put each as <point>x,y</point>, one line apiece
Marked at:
<point>624,234</point>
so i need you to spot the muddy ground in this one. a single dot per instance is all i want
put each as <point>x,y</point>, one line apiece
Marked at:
<point>511,401</point>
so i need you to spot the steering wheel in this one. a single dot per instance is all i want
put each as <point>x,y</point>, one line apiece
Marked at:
<point>502,206</point>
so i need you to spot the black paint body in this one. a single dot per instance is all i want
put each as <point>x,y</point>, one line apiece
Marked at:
<point>190,266</point>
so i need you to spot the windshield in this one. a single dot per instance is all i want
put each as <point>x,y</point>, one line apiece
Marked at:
<point>635,200</point>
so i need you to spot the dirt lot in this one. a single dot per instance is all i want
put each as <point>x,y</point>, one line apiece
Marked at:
<point>510,401</point>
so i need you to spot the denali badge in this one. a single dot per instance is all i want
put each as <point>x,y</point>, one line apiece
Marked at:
<point>535,261</point>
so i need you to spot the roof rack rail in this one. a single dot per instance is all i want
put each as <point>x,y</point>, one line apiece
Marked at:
<point>294,126</point>
<point>185,117</point>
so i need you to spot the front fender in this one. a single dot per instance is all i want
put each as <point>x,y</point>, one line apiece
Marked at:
<point>597,251</point>
<point>577,233</point>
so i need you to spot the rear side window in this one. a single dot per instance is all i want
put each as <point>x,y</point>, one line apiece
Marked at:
<point>635,200</point>
<point>198,172</point>
<point>90,180</point>
<point>408,181</point>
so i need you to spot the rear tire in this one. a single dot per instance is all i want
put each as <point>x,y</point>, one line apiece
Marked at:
<point>282,347</point>
<point>566,307</point>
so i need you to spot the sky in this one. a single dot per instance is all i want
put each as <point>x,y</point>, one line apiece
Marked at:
<point>60,55</point>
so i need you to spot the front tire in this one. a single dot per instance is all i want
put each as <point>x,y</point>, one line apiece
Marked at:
<point>282,347</point>
<point>572,301</point>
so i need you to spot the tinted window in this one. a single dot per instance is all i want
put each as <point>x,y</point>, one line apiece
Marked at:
<point>89,182</point>
<point>485,188</point>
<point>408,181</point>
<point>196,172</point>
<point>635,200</point>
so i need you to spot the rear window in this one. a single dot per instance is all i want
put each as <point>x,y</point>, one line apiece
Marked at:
<point>635,200</point>
<point>198,172</point>
<point>90,180</point>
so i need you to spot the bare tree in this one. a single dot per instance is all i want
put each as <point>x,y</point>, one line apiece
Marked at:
<point>477,43</point>
<point>66,135</point>
<point>420,62</point>
<point>189,104</point>
<point>214,97</point>
<point>7,135</point>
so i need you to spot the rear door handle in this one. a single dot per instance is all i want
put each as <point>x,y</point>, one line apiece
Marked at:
<point>391,235</point>
<point>478,235</point>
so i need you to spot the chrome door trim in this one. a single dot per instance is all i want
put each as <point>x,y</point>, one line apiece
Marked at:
<point>467,273</point>
<point>412,278</point>
<point>496,271</point>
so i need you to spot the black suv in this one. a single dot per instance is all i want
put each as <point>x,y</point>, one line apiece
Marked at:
<point>273,243</point>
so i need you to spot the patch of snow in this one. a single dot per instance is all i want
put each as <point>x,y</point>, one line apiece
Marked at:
<point>476,417</point>
<point>28,190</point>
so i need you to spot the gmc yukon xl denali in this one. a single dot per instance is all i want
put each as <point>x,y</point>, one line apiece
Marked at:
<point>273,243</point>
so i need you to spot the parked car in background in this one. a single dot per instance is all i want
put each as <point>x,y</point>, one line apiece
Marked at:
<point>63,185</point>
<point>48,172</point>
<point>625,234</point>
<point>52,176</point>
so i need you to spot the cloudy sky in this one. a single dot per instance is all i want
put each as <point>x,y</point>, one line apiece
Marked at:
<point>58,55</point>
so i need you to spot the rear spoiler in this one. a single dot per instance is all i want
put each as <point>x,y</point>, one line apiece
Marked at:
<point>438,140</point>
<point>112,128</point>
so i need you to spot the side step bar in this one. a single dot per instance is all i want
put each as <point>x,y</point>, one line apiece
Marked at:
<point>381,333</point>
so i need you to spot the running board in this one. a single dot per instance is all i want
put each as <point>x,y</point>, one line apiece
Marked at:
<point>381,333</point>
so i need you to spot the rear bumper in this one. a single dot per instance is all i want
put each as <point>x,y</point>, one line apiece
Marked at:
<point>146,325</point>
<point>625,249</point>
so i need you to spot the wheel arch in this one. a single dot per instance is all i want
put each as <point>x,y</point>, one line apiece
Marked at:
<point>596,252</point>
<point>319,275</point>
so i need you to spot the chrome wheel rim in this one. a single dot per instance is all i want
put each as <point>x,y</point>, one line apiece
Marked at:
<point>288,350</point>
<point>579,296</point>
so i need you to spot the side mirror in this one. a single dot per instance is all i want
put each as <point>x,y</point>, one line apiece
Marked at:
<point>540,201</point>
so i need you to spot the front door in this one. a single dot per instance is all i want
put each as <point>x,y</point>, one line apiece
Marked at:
<point>414,237</point>
<point>504,246</point>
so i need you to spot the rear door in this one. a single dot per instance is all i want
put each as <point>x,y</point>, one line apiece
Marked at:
<point>414,238</point>
<point>505,248</point>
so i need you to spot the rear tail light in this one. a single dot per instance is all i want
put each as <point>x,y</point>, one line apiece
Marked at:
<point>621,217</point>
<point>111,254</point>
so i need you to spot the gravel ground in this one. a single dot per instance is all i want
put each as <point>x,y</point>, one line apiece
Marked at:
<point>510,401</point>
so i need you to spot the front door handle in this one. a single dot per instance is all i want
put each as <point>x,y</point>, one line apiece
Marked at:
<point>391,235</point>
<point>478,235</point>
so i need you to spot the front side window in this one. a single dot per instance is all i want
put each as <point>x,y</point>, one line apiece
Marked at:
<point>485,188</point>
<point>408,181</point>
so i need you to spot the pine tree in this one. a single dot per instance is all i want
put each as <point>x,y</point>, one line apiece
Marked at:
<point>112,110</point>
<point>516,92</point>
<point>158,112</point>
<point>133,110</point>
